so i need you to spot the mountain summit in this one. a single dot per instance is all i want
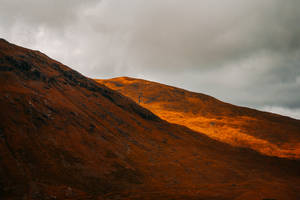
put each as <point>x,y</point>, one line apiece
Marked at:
<point>64,136</point>
<point>267,133</point>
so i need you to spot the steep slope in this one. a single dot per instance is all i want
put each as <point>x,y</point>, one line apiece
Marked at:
<point>267,133</point>
<point>63,136</point>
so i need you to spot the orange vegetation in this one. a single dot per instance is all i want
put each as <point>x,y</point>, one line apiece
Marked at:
<point>267,133</point>
<point>63,136</point>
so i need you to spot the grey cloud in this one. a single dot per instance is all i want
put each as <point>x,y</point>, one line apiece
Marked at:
<point>244,52</point>
<point>55,14</point>
<point>204,34</point>
<point>295,113</point>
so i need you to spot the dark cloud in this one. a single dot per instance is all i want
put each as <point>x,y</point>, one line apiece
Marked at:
<point>55,14</point>
<point>244,52</point>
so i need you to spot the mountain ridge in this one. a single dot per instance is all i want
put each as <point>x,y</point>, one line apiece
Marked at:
<point>268,133</point>
<point>63,136</point>
<point>116,79</point>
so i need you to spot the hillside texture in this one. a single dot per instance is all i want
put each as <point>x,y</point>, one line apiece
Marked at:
<point>267,133</point>
<point>63,136</point>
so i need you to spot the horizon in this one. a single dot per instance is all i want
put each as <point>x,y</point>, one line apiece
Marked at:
<point>244,53</point>
<point>65,135</point>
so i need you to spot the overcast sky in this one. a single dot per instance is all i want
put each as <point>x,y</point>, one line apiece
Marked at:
<point>246,52</point>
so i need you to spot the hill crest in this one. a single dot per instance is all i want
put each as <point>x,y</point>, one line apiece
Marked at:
<point>267,133</point>
<point>63,136</point>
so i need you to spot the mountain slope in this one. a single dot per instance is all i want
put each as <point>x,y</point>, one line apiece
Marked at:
<point>63,136</point>
<point>267,133</point>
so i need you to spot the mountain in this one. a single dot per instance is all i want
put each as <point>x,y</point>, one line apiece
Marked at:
<point>267,133</point>
<point>64,136</point>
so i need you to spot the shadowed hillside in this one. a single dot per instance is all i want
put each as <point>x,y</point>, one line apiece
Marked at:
<point>63,136</point>
<point>268,133</point>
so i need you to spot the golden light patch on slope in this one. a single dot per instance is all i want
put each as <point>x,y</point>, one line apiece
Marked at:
<point>63,136</point>
<point>267,133</point>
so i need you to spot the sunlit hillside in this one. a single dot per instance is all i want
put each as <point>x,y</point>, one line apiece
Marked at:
<point>268,133</point>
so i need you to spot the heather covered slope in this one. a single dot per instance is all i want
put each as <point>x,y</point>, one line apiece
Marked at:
<point>63,136</point>
<point>267,133</point>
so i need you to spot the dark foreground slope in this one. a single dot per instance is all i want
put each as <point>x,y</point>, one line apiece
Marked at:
<point>63,136</point>
<point>267,133</point>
